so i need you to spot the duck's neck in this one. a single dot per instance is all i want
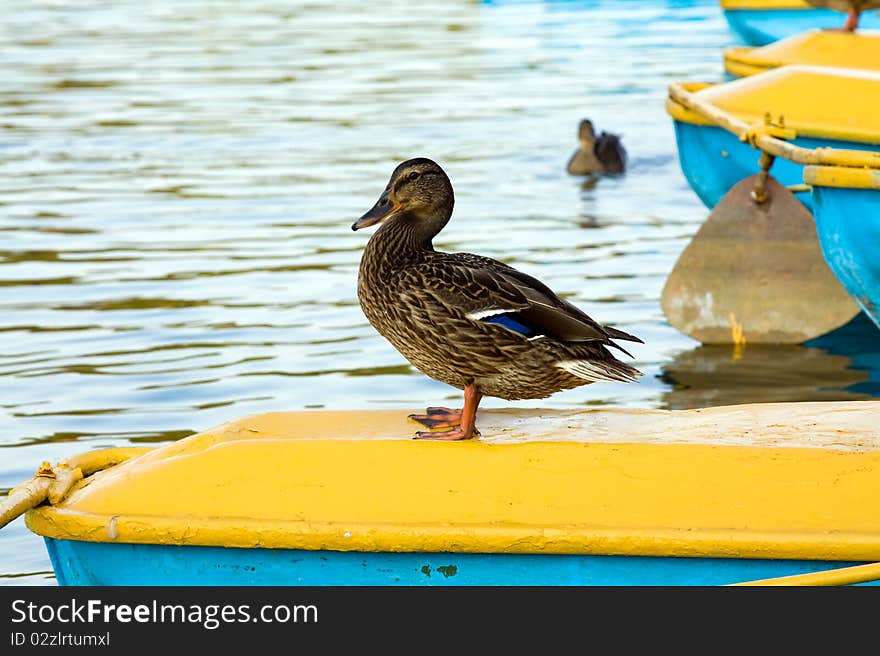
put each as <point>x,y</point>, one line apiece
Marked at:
<point>396,243</point>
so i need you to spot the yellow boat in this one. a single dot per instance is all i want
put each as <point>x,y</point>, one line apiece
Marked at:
<point>759,22</point>
<point>713,496</point>
<point>859,50</point>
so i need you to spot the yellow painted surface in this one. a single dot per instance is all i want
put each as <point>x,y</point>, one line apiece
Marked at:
<point>842,576</point>
<point>354,481</point>
<point>814,47</point>
<point>764,4</point>
<point>819,102</point>
<point>739,68</point>
<point>842,176</point>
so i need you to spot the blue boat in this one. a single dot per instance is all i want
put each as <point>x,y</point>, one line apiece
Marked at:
<point>846,204</point>
<point>714,159</point>
<point>759,22</point>
<point>615,497</point>
<point>718,131</point>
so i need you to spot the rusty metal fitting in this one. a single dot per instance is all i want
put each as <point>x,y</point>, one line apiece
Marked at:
<point>759,193</point>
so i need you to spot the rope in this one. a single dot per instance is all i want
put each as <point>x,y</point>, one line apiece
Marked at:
<point>22,498</point>
<point>769,137</point>
<point>54,483</point>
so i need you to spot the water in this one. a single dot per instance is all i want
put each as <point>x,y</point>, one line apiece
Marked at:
<point>177,182</point>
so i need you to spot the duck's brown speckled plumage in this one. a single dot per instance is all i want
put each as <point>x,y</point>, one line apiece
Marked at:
<point>429,304</point>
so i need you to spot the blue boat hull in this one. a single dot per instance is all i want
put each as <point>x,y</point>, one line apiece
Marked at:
<point>758,27</point>
<point>848,224</point>
<point>97,563</point>
<point>713,160</point>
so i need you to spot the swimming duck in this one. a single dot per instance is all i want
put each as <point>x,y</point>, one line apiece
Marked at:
<point>852,8</point>
<point>602,154</point>
<point>470,321</point>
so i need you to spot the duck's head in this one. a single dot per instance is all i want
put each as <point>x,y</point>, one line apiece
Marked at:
<point>418,193</point>
<point>586,133</point>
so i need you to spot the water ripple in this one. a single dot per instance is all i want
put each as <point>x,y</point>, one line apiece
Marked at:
<point>177,183</point>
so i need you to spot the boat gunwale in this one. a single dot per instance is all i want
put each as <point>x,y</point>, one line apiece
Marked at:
<point>763,5</point>
<point>65,524</point>
<point>744,61</point>
<point>842,177</point>
<point>741,68</point>
<point>807,129</point>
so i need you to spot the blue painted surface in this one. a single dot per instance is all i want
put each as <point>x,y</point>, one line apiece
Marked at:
<point>713,160</point>
<point>758,27</point>
<point>848,224</point>
<point>96,563</point>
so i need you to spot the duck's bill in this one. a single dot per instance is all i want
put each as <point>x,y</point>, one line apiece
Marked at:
<point>378,213</point>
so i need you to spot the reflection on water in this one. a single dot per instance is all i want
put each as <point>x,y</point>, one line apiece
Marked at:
<point>131,438</point>
<point>839,366</point>
<point>177,182</point>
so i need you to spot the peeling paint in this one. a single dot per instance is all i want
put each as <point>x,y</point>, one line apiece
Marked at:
<point>448,570</point>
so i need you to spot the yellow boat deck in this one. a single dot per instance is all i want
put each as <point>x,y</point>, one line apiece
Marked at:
<point>814,47</point>
<point>750,481</point>
<point>778,95</point>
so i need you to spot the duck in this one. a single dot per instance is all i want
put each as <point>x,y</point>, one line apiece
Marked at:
<point>852,8</point>
<point>597,154</point>
<point>470,321</point>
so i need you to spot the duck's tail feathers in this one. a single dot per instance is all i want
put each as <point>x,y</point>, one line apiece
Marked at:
<point>596,370</point>
<point>614,333</point>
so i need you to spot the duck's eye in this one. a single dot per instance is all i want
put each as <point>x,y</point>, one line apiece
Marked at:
<point>413,175</point>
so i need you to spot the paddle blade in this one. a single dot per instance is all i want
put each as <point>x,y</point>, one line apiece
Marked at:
<point>755,273</point>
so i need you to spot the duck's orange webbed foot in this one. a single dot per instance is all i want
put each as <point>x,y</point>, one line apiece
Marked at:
<point>461,423</point>
<point>450,435</point>
<point>439,418</point>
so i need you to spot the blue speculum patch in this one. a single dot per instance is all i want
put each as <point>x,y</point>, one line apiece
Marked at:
<point>510,320</point>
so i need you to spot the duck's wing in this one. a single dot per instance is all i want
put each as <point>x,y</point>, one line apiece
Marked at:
<point>487,290</point>
<point>610,151</point>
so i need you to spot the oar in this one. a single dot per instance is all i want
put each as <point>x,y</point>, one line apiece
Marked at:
<point>754,273</point>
